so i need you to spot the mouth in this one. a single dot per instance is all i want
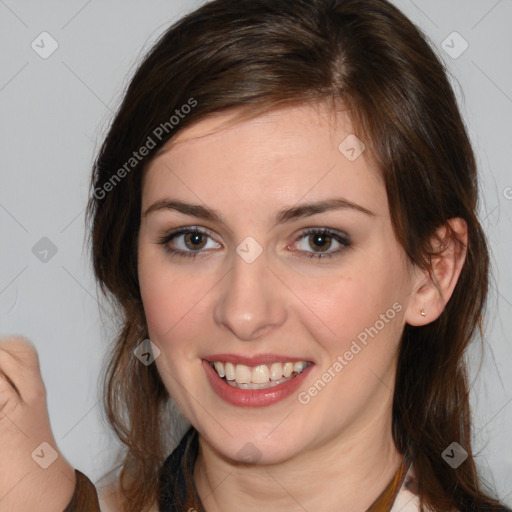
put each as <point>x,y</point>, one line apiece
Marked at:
<point>262,376</point>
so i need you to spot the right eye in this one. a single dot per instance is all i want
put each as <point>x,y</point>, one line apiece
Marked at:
<point>191,241</point>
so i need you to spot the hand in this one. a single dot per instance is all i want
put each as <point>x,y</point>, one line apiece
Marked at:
<point>25,484</point>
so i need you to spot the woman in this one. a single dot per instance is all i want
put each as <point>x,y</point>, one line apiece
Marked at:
<point>284,210</point>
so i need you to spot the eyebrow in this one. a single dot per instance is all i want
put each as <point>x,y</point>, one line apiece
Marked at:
<point>282,216</point>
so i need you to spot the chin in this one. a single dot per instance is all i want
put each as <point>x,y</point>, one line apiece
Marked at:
<point>255,446</point>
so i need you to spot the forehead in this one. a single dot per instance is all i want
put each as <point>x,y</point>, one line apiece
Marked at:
<point>283,156</point>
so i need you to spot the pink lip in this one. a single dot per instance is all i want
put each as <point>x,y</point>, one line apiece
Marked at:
<point>252,397</point>
<point>253,360</point>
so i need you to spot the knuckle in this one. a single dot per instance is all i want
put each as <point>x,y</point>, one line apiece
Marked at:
<point>9,399</point>
<point>20,349</point>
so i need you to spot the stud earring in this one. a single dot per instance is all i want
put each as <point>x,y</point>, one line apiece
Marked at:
<point>422,313</point>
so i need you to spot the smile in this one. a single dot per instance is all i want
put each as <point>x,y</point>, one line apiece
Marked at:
<point>262,376</point>
<point>256,385</point>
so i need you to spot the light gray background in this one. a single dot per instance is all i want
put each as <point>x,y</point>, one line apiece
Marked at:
<point>53,114</point>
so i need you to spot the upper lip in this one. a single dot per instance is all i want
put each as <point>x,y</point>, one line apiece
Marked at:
<point>253,360</point>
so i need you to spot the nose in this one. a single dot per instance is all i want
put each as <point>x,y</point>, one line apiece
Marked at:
<point>252,301</point>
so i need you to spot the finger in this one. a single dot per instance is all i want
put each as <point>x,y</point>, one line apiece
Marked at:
<point>20,348</point>
<point>9,396</point>
<point>19,363</point>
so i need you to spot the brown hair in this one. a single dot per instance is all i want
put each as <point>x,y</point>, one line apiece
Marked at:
<point>258,55</point>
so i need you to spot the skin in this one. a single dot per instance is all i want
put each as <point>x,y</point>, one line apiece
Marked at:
<point>26,485</point>
<point>338,443</point>
<point>317,456</point>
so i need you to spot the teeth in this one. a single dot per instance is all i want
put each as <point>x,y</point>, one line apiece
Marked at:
<point>276,371</point>
<point>261,374</point>
<point>242,374</point>
<point>220,369</point>
<point>288,369</point>
<point>299,366</point>
<point>267,385</point>
<point>230,371</point>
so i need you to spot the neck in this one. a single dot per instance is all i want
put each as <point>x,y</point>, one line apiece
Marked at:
<point>346,473</point>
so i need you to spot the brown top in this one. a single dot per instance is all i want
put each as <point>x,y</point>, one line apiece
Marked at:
<point>85,497</point>
<point>385,501</point>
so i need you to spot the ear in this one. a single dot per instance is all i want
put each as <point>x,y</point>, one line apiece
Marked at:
<point>433,289</point>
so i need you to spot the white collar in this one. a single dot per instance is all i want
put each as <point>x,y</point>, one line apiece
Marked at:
<point>406,500</point>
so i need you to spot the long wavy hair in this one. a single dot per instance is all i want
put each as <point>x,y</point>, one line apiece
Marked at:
<point>259,55</point>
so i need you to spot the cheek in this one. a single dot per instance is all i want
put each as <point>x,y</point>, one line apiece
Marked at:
<point>168,291</point>
<point>162,293</point>
<point>362,303</point>
<point>171,303</point>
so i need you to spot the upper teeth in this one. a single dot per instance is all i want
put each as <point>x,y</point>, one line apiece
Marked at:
<point>260,374</point>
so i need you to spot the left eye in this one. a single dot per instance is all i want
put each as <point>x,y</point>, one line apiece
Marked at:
<point>322,238</point>
<point>193,240</point>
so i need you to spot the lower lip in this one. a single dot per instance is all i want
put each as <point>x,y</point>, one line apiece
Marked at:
<point>253,397</point>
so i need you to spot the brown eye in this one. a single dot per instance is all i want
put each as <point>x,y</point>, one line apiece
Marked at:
<point>195,240</point>
<point>320,241</point>
<point>187,242</point>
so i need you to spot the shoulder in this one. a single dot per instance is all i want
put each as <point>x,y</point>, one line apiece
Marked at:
<point>407,499</point>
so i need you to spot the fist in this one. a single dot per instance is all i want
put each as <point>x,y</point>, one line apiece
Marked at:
<point>33,474</point>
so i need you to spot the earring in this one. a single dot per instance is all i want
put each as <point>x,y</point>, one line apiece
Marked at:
<point>423,313</point>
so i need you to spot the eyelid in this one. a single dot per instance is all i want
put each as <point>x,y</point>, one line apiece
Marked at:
<point>323,229</point>
<point>341,237</point>
<point>184,230</point>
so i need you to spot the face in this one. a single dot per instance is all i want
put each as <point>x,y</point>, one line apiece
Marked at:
<point>268,285</point>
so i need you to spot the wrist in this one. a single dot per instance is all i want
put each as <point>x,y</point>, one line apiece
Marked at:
<point>44,490</point>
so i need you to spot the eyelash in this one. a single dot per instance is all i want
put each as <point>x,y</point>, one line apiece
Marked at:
<point>343,240</point>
